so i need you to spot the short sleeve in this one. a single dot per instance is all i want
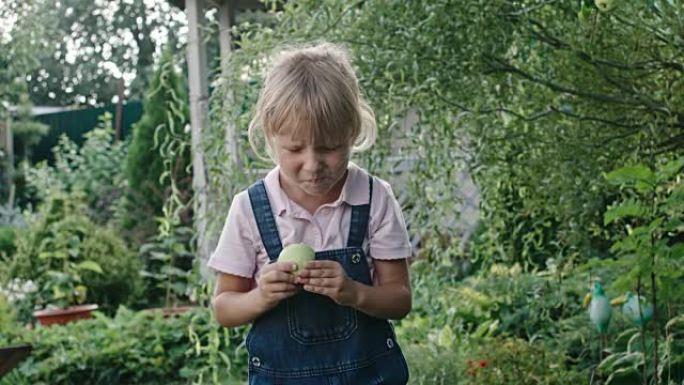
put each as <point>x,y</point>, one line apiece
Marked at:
<point>235,252</point>
<point>388,238</point>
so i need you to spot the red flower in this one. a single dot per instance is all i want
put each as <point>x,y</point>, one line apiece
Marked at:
<point>484,363</point>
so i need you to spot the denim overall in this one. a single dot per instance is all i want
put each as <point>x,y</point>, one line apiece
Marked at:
<point>308,338</point>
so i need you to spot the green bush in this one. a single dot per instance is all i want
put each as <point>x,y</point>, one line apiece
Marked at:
<point>489,361</point>
<point>525,305</point>
<point>160,131</point>
<point>8,321</point>
<point>121,283</point>
<point>429,365</point>
<point>11,220</point>
<point>507,302</point>
<point>7,236</point>
<point>94,169</point>
<point>168,266</point>
<point>134,348</point>
<point>63,252</point>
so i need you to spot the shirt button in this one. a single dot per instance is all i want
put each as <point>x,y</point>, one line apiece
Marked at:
<point>256,361</point>
<point>356,258</point>
<point>390,343</point>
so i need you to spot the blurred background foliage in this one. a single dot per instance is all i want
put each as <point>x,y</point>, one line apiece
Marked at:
<point>557,125</point>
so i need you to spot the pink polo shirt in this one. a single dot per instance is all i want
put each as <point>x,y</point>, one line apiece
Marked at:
<point>241,252</point>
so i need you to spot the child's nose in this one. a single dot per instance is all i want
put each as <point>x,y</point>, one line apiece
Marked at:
<point>312,160</point>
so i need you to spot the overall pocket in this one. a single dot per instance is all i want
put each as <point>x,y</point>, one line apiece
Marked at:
<point>316,319</point>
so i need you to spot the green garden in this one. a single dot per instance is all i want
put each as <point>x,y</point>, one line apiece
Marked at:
<point>536,148</point>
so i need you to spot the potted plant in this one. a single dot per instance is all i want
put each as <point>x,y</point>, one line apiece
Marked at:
<point>63,294</point>
<point>51,254</point>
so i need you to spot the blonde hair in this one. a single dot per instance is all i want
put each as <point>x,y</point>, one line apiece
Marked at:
<point>312,93</point>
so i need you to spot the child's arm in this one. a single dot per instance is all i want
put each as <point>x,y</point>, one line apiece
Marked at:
<point>388,298</point>
<point>236,303</point>
<point>390,295</point>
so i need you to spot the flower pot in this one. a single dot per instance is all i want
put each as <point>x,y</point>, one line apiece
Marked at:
<point>60,316</point>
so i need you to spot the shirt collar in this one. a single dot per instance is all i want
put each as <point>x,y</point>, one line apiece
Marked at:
<point>355,190</point>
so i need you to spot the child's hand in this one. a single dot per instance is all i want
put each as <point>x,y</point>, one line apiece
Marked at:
<point>329,278</point>
<point>276,283</point>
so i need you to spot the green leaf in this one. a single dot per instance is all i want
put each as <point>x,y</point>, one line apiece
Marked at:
<point>626,209</point>
<point>89,265</point>
<point>619,373</point>
<point>638,176</point>
<point>675,321</point>
<point>45,255</point>
<point>670,169</point>
<point>676,196</point>
<point>486,328</point>
<point>655,225</point>
<point>160,256</point>
<point>677,251</point>
<point>609,361</point>
<point>446,337</point>
<point>674,224</point>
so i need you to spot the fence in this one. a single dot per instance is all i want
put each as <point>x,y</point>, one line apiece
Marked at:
<point>75,123</point>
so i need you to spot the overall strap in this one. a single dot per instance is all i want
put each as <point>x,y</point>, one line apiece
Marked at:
<point>268,230</point>
<point>358,228</point>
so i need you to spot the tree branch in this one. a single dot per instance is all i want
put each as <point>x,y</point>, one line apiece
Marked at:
<point>613,99</point>
<point>653,30</point>
<point>528,9</point>
<point>670,144</point>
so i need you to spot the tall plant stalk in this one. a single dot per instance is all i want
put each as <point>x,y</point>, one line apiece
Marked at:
<point>653,260</point>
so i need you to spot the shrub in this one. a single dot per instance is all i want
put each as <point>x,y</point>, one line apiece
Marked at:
<point>94,170</point>
<point>134,348</point>
<point>8,321</point>
<point>168,266</point>
<point>159,137</point>
<point>7,236</point>
<point>489,360</point>
<point>11,219</point>
<point>62,252</point>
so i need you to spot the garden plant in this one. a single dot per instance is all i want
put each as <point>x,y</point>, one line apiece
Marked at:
<point>536,148</point>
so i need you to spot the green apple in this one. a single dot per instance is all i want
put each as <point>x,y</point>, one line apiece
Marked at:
<point>604,5</point>
<point>298,253</point>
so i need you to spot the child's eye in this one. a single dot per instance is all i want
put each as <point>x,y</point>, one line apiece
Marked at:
<point>328,149</point>
<point>293,149</point>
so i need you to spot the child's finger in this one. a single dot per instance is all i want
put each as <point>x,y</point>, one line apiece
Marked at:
<point>314,265</point>
<point>317,273</point>
<point>314,289</point>
<point>317,289</point>
<point>321,282</point>
<point>282,287</point>
<point>285,266</point>
<point>279,266</point>
<point>279,276</point>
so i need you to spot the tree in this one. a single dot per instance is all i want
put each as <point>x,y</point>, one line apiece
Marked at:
<point>26,131</point>
<point>158,155</point>
<point>81,46</point>
<point>536,99</point>
<point>24,45</point>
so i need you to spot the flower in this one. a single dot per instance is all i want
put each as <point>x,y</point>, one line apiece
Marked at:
<point>17,289</point>
<point>474,367</point>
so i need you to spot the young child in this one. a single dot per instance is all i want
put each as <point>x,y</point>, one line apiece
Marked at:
<point>327,324</point>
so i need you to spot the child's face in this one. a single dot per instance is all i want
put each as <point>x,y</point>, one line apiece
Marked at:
<point>311,168</point>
